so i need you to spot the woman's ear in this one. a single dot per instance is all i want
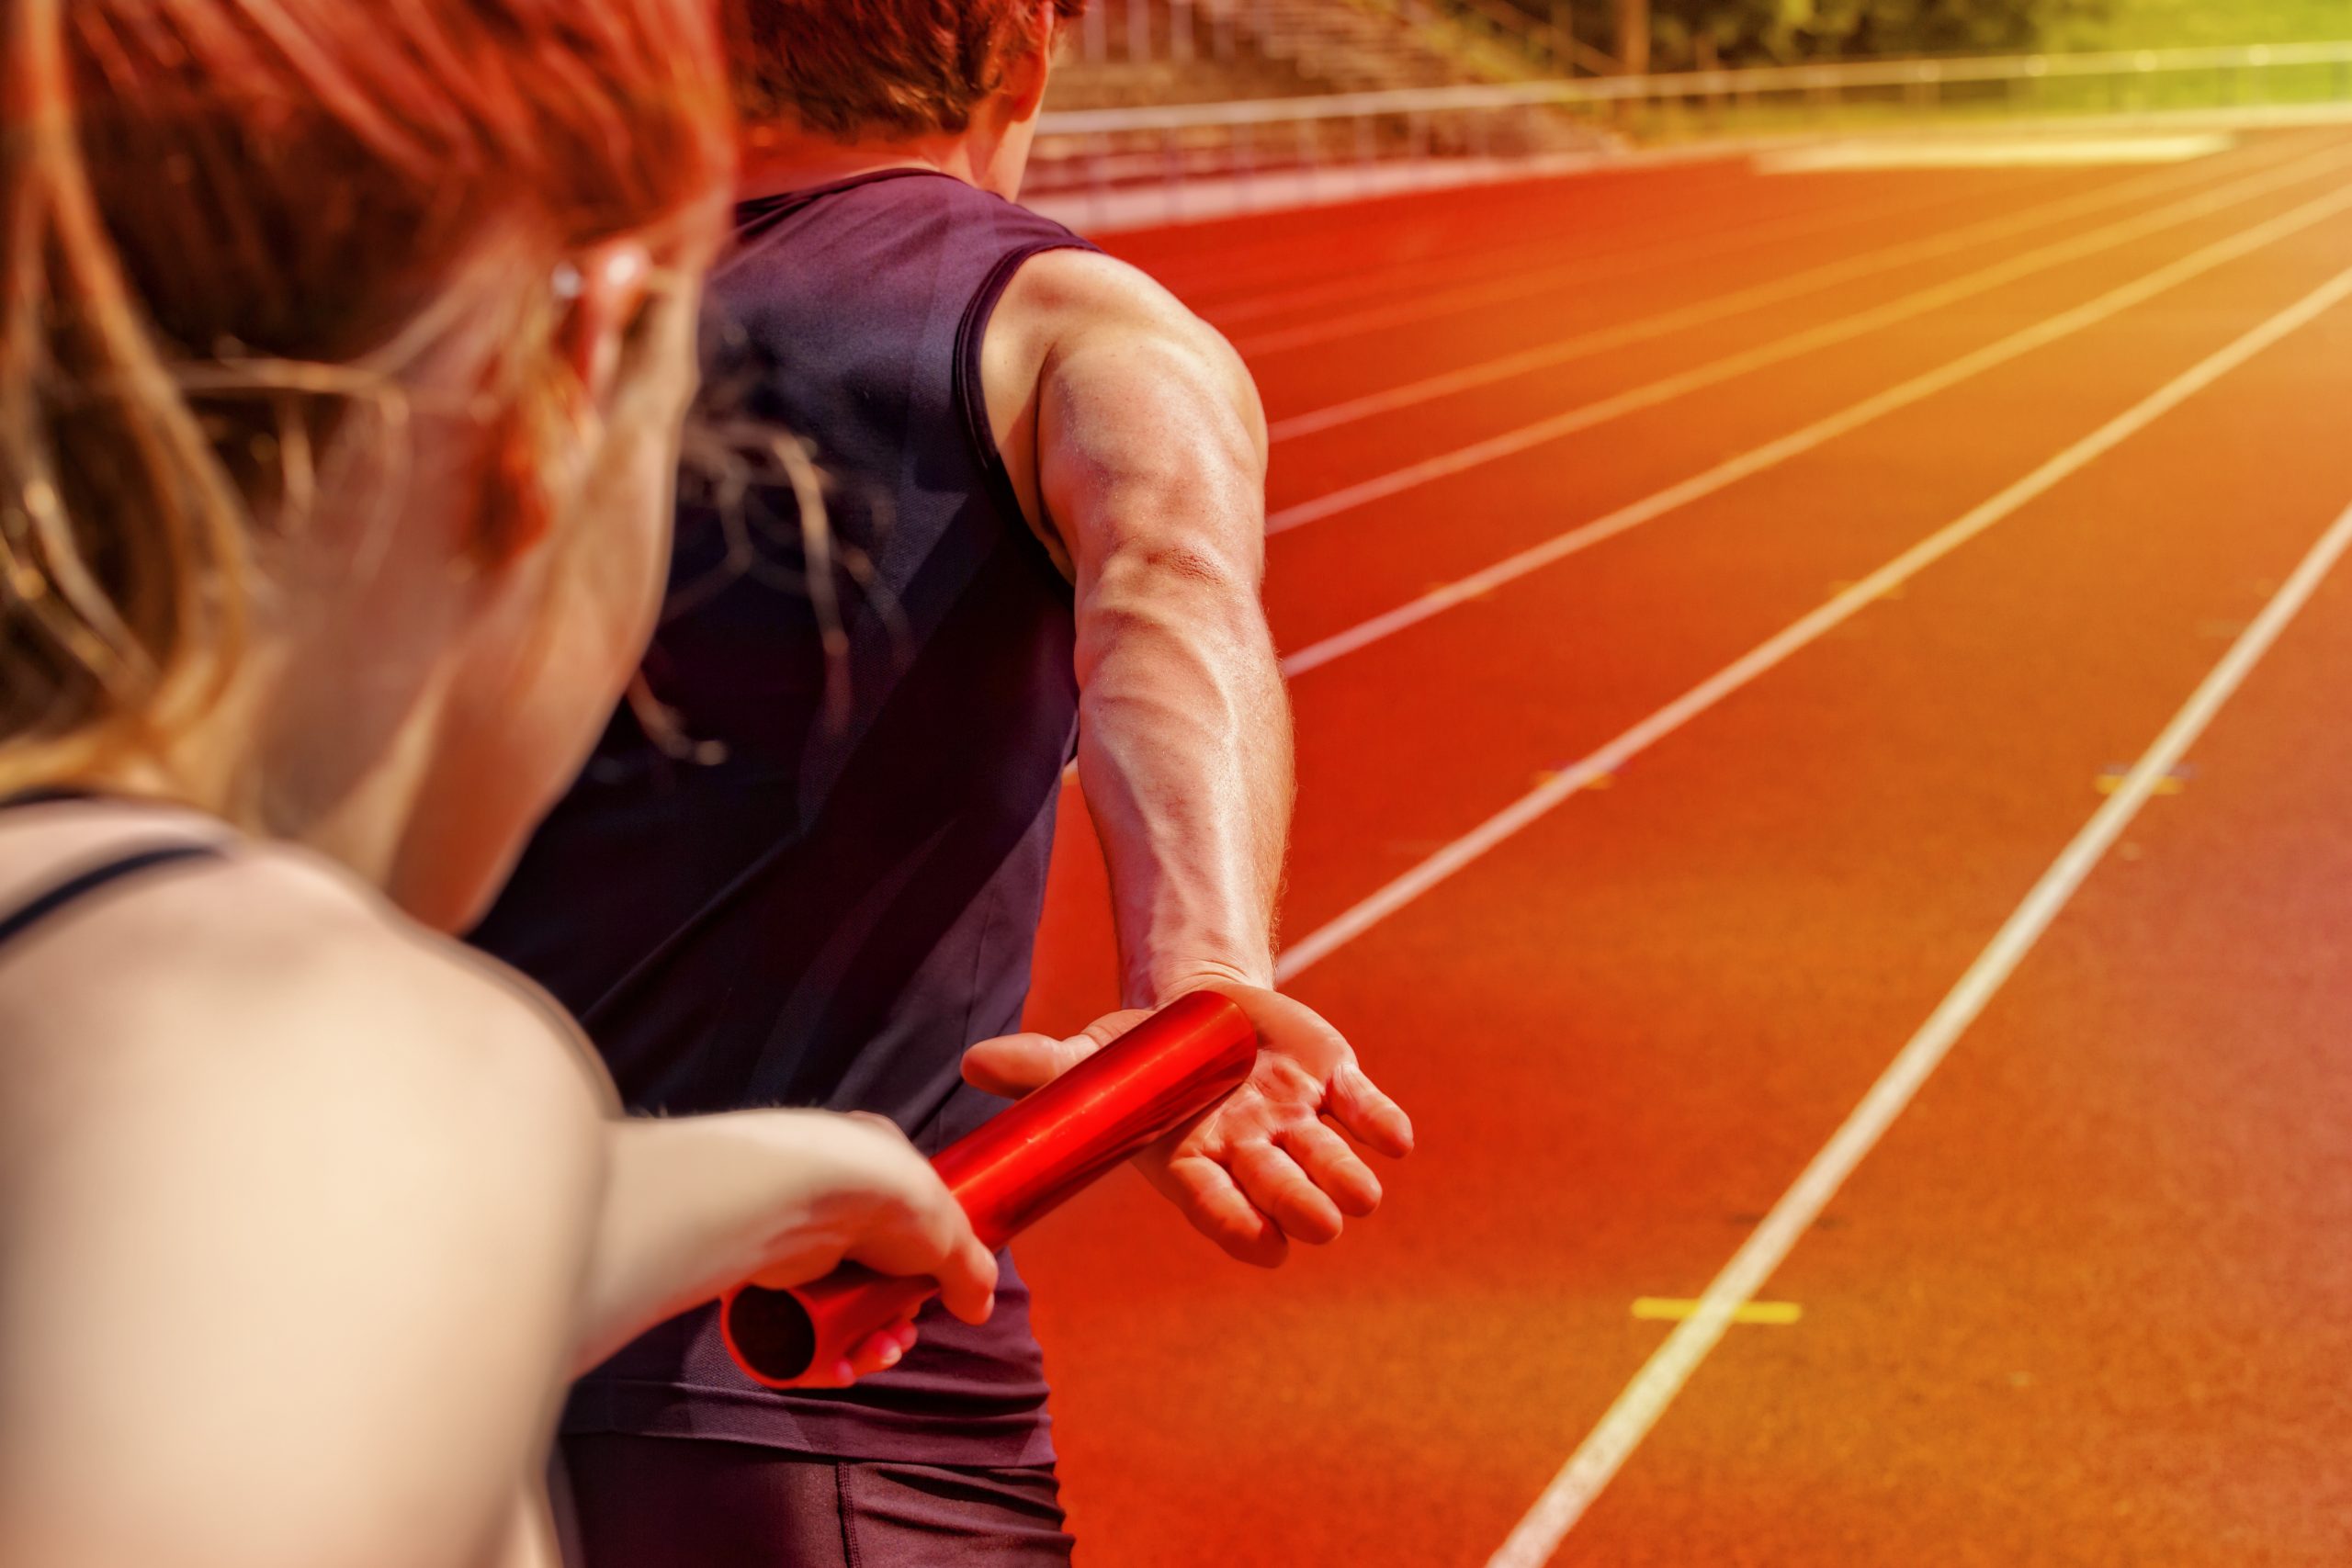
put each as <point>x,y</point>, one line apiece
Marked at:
<point>601,294</point>
<point>605,290</point>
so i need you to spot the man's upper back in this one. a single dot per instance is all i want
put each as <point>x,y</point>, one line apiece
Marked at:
<point>867,716</point>
<point>809,870</point>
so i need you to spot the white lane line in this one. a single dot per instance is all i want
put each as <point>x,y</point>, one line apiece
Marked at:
<point>1812,339</point>
<point>1796,443</point>
<point>1995,153</point>
<point>1598,1460</point>
<point>1810,280</point>
<point>1773,652</point>
<point>2042,152</point>
<point>1515,285</point>
<point>1516,282</point>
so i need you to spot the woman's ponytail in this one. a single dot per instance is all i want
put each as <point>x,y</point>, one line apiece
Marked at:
<point>119,534</point>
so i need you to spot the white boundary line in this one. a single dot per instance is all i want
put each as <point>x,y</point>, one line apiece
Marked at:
<point>1811,340</point>
<point>1768,655</point>
<point>1812,279</point>
<point>1603,1453</point>
<point>1877,155</point>
<point>1796,443</point>
<point>1540,251</point>
<point>1522,282</point>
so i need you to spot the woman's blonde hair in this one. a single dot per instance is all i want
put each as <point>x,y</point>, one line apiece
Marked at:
<point>211,212</point>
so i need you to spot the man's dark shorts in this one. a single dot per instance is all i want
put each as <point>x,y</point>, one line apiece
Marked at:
<point>696,1502</point>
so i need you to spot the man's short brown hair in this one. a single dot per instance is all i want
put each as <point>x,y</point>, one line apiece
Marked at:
<point>850,68</point>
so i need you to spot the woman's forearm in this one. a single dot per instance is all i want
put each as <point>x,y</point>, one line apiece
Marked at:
<point>694,1206</point>
<point>697,1205</point>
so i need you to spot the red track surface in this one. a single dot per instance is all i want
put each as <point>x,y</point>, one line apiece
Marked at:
<point>2090,1301</point>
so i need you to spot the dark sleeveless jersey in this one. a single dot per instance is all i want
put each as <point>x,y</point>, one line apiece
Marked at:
<point>814,876</point>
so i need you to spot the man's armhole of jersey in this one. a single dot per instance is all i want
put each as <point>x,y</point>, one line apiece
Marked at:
<point>971,394</point>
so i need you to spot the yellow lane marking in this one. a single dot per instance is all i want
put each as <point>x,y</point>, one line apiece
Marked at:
<point>1661,1309</point>
<point>2172,782</point>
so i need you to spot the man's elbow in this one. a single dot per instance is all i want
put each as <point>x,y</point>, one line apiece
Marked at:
<point>1192,568</point>
<point>1176,581</point>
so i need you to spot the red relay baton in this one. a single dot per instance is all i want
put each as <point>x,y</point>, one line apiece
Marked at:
<point>1020,1167</point>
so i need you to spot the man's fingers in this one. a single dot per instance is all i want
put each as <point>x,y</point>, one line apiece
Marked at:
<point>1335,1167</point>
<point>1013,1064</point>
<point>1216,1208</point>
<point>1273,1181</point>
<point>1366,1114</point>
<point>1109,1026</point>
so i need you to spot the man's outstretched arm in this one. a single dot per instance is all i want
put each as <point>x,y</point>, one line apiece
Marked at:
<point>1144,449</point>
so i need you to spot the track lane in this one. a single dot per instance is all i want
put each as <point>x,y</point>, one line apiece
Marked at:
<point>1249,1344</point>
<point>1236,262</point>
<point>1338,573</point>
<point>1743,218</point>
<point>1651,1394</point>
<point>1563,663</point>
<point>2083,1306</point>
<point>1847,266</point>
<point>2040,337</point>
<point>1723,241</point>
<point>1864,311</point>
<point>1412,347</point>
<point>1259,265</point>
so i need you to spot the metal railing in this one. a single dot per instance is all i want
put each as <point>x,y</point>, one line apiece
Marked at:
<point>1345,136</point>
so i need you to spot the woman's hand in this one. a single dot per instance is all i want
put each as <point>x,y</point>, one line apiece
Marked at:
<point>893,1214</point>
<point>697,1205</point>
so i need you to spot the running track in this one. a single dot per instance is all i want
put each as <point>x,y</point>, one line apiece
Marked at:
<point>1776,656</point>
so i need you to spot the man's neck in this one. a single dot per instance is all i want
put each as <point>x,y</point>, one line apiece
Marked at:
<point>777,159</point>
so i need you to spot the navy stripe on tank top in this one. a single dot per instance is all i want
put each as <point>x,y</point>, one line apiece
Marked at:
<point>815,879</point>
<point>79,887</point>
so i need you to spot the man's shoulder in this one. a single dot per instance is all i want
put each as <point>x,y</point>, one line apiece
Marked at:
<point>1064,295</point>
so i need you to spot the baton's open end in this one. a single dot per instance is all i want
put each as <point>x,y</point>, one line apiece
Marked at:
<point>770,1334</point>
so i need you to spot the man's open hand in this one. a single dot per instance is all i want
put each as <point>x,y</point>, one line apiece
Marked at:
<point>1265,1167</point>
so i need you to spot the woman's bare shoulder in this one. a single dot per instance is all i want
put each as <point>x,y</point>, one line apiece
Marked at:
<point>267,1004</point>
<point>242,963</point>
<point>327,1169</point>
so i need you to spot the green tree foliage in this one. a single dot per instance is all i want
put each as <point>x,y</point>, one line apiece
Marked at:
<point>1762,31</point>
